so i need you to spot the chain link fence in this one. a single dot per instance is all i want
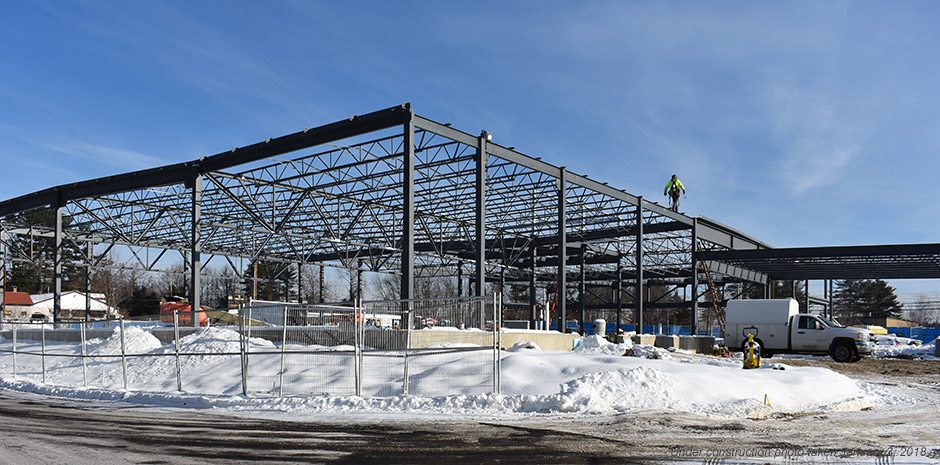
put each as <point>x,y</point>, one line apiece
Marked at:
<point>372,348</point>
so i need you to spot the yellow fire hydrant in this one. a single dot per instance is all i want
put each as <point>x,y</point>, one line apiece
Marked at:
<point>751,353</point>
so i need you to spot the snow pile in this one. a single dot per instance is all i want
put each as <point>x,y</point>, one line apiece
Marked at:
<point>597,344</point>
<point>219,340</point>
<point>136,341</point>
<point>523,346</point>
<point>926,351</point>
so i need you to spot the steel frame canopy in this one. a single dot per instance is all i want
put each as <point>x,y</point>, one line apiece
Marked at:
<point>902,261</point>
<point>388,191</point>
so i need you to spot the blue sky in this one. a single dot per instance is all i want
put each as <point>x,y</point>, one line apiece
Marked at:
<point>801,123</point>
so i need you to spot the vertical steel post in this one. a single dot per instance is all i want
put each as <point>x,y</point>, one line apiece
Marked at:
<point>14,351</point>
<point>806,294</point>
<point>300,281</point>
<point>533,302</point>
<point>582,287</point>
<point>176,343</point>
<point>408,209</point>
<point>43,351</point>
<point>639,265</point>
<point>195,269</point>
<point>480,161</point>
<point>241,348</point>
<point>248,352</point>
<point>359,272</point>
<point>90,257</point>
<point>562,294</point>
<point>459,279</point>
<point>407,347</point>
<point>619,289</point>
<point>694,276</point>
<point>831,293</point>
<point>357,344</point>
<point>81,332</point>
<point>280,376</point>
<point>57,266</point>
<point>123,356</point>
<point>320,285</point>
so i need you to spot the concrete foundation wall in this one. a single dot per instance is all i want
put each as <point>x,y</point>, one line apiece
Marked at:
<point>644,339</point>
<point>699,344</point>
<point>666,342</point>
<point>377,339</point>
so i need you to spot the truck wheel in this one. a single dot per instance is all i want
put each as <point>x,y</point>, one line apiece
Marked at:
<point>843,352</point>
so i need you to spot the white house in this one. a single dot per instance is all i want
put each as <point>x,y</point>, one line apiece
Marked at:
<point>73,306</point>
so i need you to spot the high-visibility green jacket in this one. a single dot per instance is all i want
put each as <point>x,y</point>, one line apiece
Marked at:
<point>673,183</point>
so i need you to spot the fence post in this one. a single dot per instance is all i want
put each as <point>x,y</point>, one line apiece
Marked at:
<point>499,343</point>
<point>241,347</point>
<point>176,342</point>
<point>84,354</point>
<point>248,351</point>
<point>280,376</point>
<point>14,351</point>
<point>43,351</point>
<point>357,344</point>
<point>123,356</point>
<point>407,347</point>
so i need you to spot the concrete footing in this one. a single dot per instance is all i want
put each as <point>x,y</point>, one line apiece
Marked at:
<point>643,339</point>
<point>699,344</point>
<point>667,342</point>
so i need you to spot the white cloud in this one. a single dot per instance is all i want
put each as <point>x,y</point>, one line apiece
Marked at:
<point>816,142</point>
<point>114,156</point>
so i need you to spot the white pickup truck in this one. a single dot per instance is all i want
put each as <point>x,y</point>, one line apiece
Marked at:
<point>779,328</point>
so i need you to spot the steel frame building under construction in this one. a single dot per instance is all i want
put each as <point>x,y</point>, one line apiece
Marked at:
<point>393,192</point>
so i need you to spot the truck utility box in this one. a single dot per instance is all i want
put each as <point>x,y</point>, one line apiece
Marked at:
<point>778,327</point>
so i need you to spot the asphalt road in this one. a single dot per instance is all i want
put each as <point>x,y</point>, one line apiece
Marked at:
<point>43,431</point>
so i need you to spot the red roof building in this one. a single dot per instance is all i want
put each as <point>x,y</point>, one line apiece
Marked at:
<point>17,298</point>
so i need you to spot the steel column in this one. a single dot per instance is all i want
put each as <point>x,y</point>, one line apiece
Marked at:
<point>320,290</point>
<point>694,276</point>
<point>300,280</point>
<point>806,294</point>
<point>831,293</point>
<point>195,269</point>
<point>533,252</point>
<point>562,250</point>
<point>639,265</point>
<point>619,288</point>
<point>581,288</point>
<point>480,217</point>
<point>90,257</point>
<point>459,279</point>
<point>57,266</point>
<point>408,210</point>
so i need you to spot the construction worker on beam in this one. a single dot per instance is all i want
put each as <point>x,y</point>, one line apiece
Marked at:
<point>672,189</point>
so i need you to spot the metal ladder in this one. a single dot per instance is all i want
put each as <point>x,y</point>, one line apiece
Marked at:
<point>714,297</point>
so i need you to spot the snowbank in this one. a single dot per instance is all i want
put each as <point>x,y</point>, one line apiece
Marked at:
<point>596,378</point>
<point>926,351</point>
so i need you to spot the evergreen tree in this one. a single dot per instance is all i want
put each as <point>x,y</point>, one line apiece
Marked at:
<point>866,298</point>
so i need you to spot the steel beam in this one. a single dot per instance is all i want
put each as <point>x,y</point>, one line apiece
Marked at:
<point>181,172</point>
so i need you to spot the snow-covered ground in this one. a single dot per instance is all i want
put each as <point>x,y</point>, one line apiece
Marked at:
<point>595,378</point>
